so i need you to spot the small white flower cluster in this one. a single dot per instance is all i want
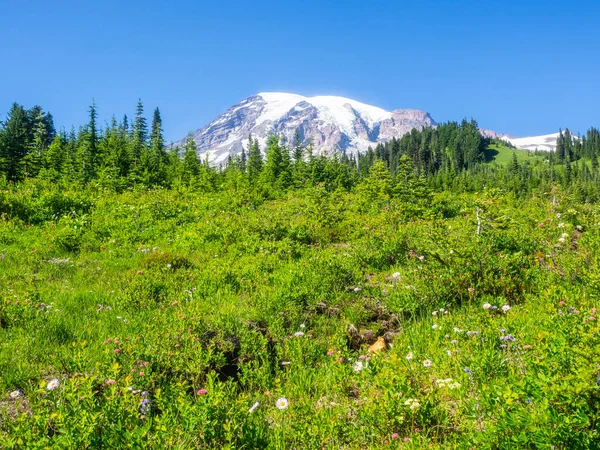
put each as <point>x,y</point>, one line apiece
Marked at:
<point>412,403</point>
<point>440,311</point>
<point>487,307</point>
<point>447,382</point>
<point>358,365</point>
<point>563,237</point>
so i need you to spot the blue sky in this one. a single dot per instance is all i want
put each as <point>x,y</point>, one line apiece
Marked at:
<point>521,67</point>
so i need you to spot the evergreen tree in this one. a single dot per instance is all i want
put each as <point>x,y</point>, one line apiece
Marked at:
<point>255,161</point>
<point>15,143</point>
<point>140,134</point>
<point>191,162</point>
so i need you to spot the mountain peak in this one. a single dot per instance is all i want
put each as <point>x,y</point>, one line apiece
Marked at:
<point>330,123</point>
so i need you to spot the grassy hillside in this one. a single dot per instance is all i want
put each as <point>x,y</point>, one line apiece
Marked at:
<point>502,154</point>
<point>170,319</point>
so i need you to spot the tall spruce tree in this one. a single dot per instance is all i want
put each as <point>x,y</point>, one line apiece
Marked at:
<point>255,161</point>
<point>15,143</point>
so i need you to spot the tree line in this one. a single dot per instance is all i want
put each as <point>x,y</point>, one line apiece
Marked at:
<point>129,153</point>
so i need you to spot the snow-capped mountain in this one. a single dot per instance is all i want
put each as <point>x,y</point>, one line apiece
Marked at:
<point>546,142</point>
<point>330,123</point>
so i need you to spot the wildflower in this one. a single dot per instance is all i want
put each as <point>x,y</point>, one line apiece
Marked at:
<point>435,326</point>
<point>409,356</point>
<point>253,407</point>
<point>15,394</point>
<point>340,359</point>
<point>412,403</point>
<point>421,258</point>
<point>395,435</point>
<point>358,366</point>
<point>78,374</point>
<point>299,333</point>
<point>117,351</point>
<point>110,382</point>
<point>486,306</point>
<point>454,342</point>
<point>362,357</point>
<point>282,403</point>
<point>505,308</point>
<point>396,275</point>
<point>561,225</point>
<point>145,405</point>
<point>508,338</point>
<point>144,393</point>
<point>427,363</point>
<point>285,363</point>
<point>448,352</point>
<point>52,384</point>
<point>406,439</point>
<point>457,330</point>
<point>330,353</point>
<point>471,289</point>
<point>561,240</point>
<point>467,370</point>
<point>302,325</point>
<point>202,392</point>
<point>528,400</point>
<point>434,313</point>
<point>357,289</point>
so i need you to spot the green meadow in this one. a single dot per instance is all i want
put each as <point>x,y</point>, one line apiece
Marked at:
<point>173,318</point>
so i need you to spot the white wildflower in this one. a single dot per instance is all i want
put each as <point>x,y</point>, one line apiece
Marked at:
<point>52,384</point>
<point>282,403</point>
<point>486,306</point>
<point>506,308</point>
<point>15,394</point>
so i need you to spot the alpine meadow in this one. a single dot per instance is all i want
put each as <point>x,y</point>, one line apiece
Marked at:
<point>438,291</point>
<point>300,225</point>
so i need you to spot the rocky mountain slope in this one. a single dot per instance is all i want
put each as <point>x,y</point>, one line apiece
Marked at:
<point>330,123</point>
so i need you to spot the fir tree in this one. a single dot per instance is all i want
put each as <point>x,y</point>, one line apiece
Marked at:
<point>255,161</point>
<point>15,143</point>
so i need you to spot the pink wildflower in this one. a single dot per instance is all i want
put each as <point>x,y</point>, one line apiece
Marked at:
<point>202,392</point>
<point>110,381</point>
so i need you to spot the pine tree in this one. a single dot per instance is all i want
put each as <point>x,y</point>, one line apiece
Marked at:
<point>514,164</point>
<point>377,186</point>
<point>255,161</point>
<point>191,162</point>
<point>55,158</point>
<point>15,143</point>
<point>140,134</point>
<point>158,154</point>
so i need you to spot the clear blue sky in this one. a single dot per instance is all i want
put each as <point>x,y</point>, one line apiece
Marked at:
<point>520,67</point>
